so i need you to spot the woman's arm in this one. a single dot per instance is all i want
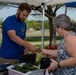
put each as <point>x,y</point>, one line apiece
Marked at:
<point>50,52</point>
<point>70,45</point>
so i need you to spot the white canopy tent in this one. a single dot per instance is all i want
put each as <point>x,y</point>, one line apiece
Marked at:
<point>39,3</point>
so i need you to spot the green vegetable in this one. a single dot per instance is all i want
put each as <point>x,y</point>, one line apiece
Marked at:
<point>25,68</point>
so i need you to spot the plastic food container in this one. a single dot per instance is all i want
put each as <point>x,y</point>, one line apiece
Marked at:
<point>34,72</point>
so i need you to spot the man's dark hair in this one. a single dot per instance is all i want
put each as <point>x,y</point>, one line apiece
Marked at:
<point>25,6</point>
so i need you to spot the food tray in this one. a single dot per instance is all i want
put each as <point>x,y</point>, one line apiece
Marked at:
<point>14,72</point>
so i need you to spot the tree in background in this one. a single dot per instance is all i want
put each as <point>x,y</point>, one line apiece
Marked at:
<point>50,13</point>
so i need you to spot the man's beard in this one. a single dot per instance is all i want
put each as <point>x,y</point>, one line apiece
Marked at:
<point>18,16</point>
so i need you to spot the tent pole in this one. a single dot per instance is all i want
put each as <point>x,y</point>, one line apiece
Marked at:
<point>65,10</point>
<point>43,7</point>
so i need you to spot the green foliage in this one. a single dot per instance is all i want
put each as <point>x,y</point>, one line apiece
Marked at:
<point>27,23</point>
<point>0,24</point>
<point>36,39</point>
<point>36,24</point>
<point>47,24</point>
<point>72,21</point>
<point>32,39</point>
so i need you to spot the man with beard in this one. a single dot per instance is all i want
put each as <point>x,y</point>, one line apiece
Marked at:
<point>13,36</point>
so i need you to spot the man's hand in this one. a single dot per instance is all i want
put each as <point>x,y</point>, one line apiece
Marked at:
<point>26,51</point>
<point>30,47</point>
<point>38,50</point>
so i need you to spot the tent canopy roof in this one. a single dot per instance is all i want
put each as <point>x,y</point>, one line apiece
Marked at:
<point>71,4</point>
<point>38,2</point>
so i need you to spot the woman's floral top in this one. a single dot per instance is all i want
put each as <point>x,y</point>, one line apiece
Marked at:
<point>62,55</point>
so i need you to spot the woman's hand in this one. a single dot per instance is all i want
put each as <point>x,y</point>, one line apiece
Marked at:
<point>53,65</point>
